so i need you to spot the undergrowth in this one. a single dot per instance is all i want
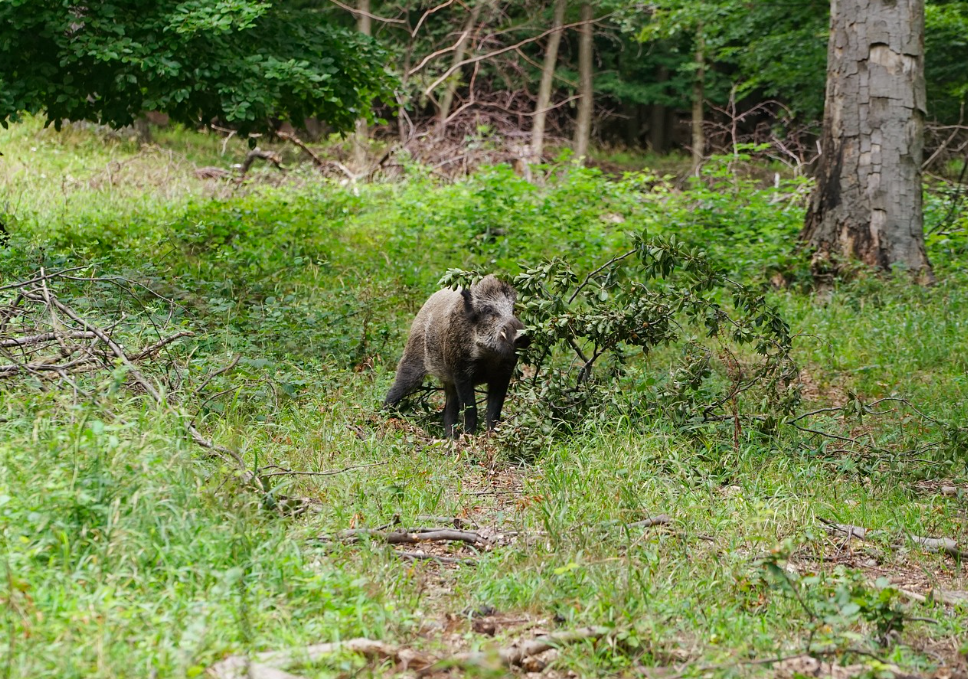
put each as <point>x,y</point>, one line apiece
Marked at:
<point>125,550</point>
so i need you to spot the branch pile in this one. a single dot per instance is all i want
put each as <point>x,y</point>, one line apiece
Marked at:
<point>273,664</point>
<point>42,336</point>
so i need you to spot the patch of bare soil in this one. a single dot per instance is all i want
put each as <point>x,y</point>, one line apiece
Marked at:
<point>814,391</point>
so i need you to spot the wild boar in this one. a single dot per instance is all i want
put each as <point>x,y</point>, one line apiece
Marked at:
<point>463,338</point>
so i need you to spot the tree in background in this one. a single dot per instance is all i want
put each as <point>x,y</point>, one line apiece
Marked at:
<point>361,138</point>
<point>867,201</point>
<point>586,88</point>
<point>241,62</point>
<point>547,78</point>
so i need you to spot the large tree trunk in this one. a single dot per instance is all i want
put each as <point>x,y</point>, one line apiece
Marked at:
<point>459,52</point>
<point>362,137</point>
<point>698,99</point>
<point>867,202</point>
<point>583,126</point>
<point>547,78</point>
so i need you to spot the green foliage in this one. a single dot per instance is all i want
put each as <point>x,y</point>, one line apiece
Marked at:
<point>669,297</point>
<point>241,62</point>
<point>946,51</point>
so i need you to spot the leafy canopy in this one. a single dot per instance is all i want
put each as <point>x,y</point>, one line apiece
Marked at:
<point>238,61</point>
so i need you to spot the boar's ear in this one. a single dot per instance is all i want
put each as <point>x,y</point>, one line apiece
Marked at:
<point>465,293</point>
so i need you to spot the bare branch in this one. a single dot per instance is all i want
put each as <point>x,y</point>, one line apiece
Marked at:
<point>333,472</point>
<point>482,57</point>
<point>358,12</point>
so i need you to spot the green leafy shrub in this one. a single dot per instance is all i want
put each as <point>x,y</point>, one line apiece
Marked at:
<point>734,361</point>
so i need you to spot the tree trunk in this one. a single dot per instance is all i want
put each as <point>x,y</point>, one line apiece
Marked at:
<point>362,137</point>
<point>657,118</point>
<point>698,99</point>
<point>547,78</point>
<point>867,200</point>
<point>583,126</point>
<point>459,52</point>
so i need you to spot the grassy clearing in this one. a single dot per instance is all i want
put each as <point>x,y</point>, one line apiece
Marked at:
<point>126,551</point>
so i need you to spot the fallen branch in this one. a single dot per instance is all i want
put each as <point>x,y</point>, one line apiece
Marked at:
<point>951,597</point>
<point>263,665</point>
<point>517,653</point>
<point>660,520</point>
<point>257,153</point>
<point>332,472</point>
<point>412,536</point>
<point>43,338</point>
<point>317,161</point>
<point>936,545</point>
<point>160,344</point>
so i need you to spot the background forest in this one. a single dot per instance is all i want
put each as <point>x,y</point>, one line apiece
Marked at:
<point>217,221</point>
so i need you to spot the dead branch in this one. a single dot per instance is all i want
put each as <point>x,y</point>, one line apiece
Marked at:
<point>411,536</point>
<point>358,12</point>
<point>660,520</point>
<point>42,338</point>
<point>332,472</point>
<point>160,344</point>
<point>257,153</point>
<point>935,545</point>
<point>221,371</point>
<point>489,55</point>
<point>517,653</point>
<point>263,664</point>
<point>317,161</point>
<point>64,358</point>
<point>949,597</point>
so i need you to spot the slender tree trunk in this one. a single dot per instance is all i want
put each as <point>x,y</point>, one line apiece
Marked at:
<point>583,126</point>
<point>460,51</point>
<point>547,79</point>
<point>362,137</point>
<point>657,117</point>
<point>403,125</point>
<point>698,99</point>
<point>867,200</point>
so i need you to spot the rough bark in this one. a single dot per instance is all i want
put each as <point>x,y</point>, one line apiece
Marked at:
<point>583,126</point>
<point>362,136</point>
<point>867,201</point>
<point>547,78</point>
<point>459,52</point>
<point>698,99</point>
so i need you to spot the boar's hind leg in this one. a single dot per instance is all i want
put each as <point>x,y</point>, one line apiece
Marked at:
<point>467,404</point>
<point>497,390</point>
<point>409,377</point>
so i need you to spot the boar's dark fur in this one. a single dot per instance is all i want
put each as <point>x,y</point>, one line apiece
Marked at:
<point>463,338</point>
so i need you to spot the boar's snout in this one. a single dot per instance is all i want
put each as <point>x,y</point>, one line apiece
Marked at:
<point>513,332</point>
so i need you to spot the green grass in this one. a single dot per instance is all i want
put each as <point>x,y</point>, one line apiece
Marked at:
<point>125,550</point>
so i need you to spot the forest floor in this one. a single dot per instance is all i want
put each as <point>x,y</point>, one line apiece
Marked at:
<point>262,319</point>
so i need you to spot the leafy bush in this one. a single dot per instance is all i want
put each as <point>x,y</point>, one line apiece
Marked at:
<point>671,297</point>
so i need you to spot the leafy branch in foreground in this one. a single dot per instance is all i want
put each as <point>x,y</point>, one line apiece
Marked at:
<point>661,294</point>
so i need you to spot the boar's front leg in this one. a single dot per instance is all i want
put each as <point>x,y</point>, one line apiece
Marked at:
<point>497,391</point>
<point>450,409</point>
<point>467,404</point>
